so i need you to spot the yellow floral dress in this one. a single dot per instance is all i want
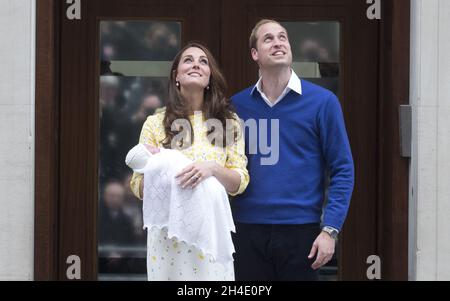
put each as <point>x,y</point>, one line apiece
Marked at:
<point>169,259</point>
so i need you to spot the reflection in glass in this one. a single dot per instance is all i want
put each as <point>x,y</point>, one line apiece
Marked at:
<point>139,40</point>
<point>315,51</point>
<point>135,57</point>
<point>138,48</point>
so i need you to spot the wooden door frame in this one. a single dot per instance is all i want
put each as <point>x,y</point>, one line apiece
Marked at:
<point>46,144</point>
<point>393,87</point>
<point>393,177</point>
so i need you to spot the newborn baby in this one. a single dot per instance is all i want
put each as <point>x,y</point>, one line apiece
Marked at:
<point>200,216</point>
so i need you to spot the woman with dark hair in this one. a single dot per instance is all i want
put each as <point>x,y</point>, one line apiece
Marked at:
<point>196,95</point>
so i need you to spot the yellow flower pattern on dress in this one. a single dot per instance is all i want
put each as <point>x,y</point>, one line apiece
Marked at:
<point>183,261</point>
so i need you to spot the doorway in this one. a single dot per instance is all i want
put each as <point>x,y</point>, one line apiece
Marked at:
<point>111,71</point>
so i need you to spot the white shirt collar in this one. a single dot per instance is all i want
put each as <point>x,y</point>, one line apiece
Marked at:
<point>294,84</point>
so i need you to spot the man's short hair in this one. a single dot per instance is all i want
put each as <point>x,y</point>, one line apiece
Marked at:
<point>253,37</point>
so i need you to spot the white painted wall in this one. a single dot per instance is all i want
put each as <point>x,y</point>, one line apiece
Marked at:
<point>17,50</point>
<point>430,169</point>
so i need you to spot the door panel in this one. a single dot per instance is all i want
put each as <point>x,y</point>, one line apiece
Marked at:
<point>357,74</point>
<point>84,79</point>
<point>135,58</point>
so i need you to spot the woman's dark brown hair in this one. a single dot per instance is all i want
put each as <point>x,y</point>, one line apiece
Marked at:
<point>215,105</point>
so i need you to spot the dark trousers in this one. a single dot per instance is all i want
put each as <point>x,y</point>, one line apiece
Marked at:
<point>274,252</point>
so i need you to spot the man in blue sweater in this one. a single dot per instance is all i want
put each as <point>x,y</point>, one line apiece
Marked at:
<point>286,229</point>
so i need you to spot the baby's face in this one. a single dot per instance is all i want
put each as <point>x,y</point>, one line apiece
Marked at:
<point>151,149</point>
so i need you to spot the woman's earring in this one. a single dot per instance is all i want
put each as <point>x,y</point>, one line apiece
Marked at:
<point>177,83</point>
<point>207,87</point>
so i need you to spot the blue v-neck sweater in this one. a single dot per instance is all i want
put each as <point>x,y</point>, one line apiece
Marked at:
<point>313,144</point>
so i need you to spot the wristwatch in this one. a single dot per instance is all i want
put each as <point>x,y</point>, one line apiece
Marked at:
<point>331,231</point>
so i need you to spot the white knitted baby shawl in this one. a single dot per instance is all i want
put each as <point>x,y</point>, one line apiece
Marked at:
<point>200,216</point>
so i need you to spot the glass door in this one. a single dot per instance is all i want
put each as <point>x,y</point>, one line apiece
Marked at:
<point>113,74</point>
<point>315,57</point>
<point>135,61</point>
<point>336,46</point>
<point>115,64</point>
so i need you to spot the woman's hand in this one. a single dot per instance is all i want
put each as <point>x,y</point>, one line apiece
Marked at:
<point>195,173</point>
